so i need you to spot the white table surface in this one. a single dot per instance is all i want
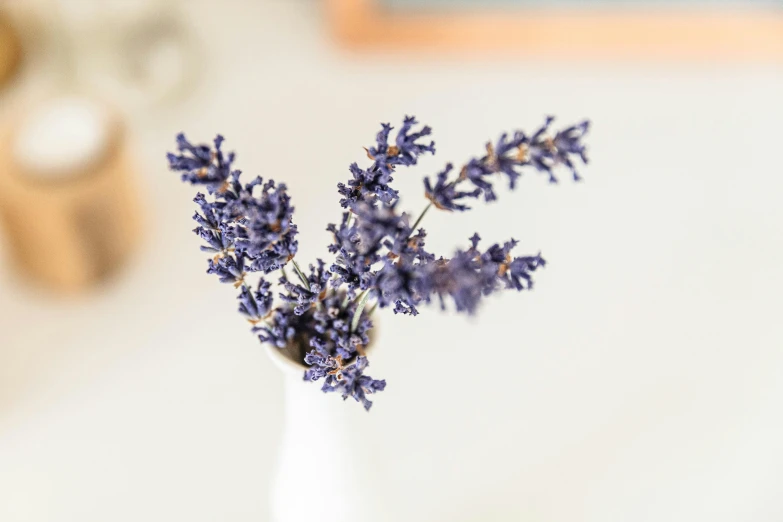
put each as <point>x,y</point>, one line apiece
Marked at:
<point>641,381</point>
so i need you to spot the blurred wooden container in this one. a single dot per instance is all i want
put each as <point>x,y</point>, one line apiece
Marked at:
<point>747,30</point>
<point>72,220</point>
<point>10,50</point>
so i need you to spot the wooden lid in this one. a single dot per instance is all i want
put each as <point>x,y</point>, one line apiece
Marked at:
<point>61,138</point>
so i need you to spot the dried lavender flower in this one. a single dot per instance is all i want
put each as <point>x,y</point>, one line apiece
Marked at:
<point>444,195</point>
<point>302,297</point>
<point>347,380</point>
<point>256,306</point>
<point>510,156</point>
<point>372,185</point>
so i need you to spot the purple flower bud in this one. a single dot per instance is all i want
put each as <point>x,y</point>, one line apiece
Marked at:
<point>444,195</point>
<point>347,380</point>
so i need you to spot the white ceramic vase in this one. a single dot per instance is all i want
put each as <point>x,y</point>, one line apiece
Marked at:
<point>327,464</point>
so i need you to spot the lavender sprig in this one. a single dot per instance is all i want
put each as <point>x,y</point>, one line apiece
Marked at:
<point>510,156</point>
<point>372,185</point>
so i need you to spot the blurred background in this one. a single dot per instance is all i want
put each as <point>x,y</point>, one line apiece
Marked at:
<point>641,380</point>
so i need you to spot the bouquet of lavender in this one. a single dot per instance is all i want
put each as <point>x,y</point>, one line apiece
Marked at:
<point>323,315</point>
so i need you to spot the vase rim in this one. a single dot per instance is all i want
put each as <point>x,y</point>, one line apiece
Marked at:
<point>283,361</point>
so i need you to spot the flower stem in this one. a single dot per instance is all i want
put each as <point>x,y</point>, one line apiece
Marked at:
<point>362,302</point>
<point>301,274</point>
<point>421,216</point>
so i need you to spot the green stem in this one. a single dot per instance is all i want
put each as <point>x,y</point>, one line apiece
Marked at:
<point>301,274</point>
<point>362,302</point>
<point>421,216</point>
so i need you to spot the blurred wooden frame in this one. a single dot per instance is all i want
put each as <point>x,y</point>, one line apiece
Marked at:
<point>721,33</point>
<point>10,50</point>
